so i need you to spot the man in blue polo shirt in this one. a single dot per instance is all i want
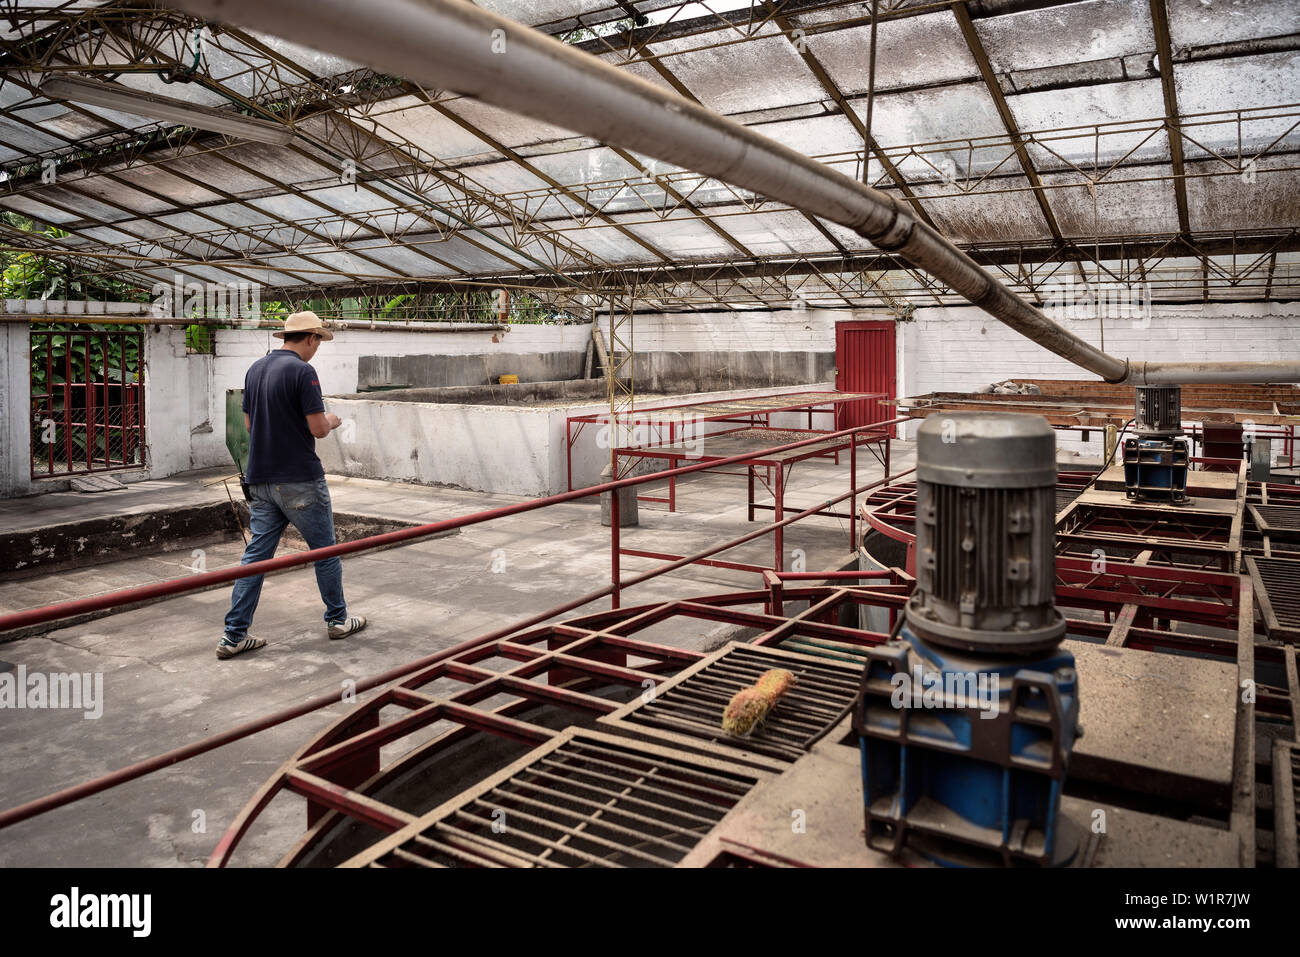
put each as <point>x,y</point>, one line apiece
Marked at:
<point>285,414</point>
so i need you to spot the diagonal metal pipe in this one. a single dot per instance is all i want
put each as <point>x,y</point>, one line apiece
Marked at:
<point>453,45</point>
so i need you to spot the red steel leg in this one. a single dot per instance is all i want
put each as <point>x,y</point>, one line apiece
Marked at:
<point>779,491</point>
<point>614,546</point>
<point>853,493</point>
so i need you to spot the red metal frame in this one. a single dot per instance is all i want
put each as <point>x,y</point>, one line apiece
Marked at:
<point>763,408</point>
<point>86,411</point>
<point>340,773</point>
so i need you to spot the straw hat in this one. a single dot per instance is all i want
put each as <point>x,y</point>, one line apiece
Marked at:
<point>305,322</point>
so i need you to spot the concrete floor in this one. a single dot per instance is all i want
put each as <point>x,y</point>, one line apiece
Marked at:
<point>163,686</point>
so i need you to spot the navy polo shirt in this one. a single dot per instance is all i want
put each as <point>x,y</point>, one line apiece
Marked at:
<point>280,391</point>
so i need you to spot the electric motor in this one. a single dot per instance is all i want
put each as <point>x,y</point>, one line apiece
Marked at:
<point>1158,410</point>
<point>985,517</point>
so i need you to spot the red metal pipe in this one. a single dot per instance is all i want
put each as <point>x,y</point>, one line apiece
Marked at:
<point>177,586</point>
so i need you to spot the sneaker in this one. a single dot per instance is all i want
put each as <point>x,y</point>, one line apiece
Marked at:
<point>341,629</point>
<point>227,649</point>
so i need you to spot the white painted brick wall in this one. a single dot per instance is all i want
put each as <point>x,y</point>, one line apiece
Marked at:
<point>811,330</point>
<point>960,349</point>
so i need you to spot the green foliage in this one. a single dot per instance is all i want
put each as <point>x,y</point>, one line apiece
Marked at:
<point>28,275</point>
<point>424,307</point>
<point>65,350</point>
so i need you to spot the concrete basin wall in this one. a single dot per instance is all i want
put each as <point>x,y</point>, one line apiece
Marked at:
<point>513,450</point>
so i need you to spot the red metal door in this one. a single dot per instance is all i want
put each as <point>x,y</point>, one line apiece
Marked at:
<point>864,362</point>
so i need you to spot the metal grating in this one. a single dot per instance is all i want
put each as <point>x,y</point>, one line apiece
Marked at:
<point>1277,587</point>
<point>581,800</point>
<point>692,704</point>
<point>1282,521</point>
<point>1286,784</point>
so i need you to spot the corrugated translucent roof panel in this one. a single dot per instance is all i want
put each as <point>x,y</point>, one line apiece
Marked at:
<point>426,128</point>
<point>533,12</point>
<point>289,207</point>
<point>407,257</point>
<point>231,214</point>
<point>954,113</point>
<point>87,206</point>
<point>772,233</point>
<point>1112,206</point>
<point>1009,216</point>
<point>582,167</point>
<point>24,140</point>
<point>1241,83</point>
<point>486,257</point>
<point>157,179</point>
<point>606,242</point>
<point>508,129</point>
<point>1112,103</point>
<point>915,51</point>
<point>1194,23</point>
<point>353,266</point>
<point>263,167</point>
<point>41,212</point>
<point>1218,198</point>
<point>506,176</point>
<point>55,119</point>
<point>1067,34</point>
<point>815,136</point>
<point>759,74</point>
<point>684,237</point>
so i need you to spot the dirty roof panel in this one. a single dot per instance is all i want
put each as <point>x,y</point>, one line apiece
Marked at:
<point>428,130</point>
<point>977,219</point>
<point>683,237</point>
<point>917,51</point>
<point>1070,34</point>
<point>1242,83</point>
<point>1218,198</point>
<point>1081,212</point>
<point>1117,104</point>
<point>761,73</point>
<point>1200,23</point>
<point>933,115</point>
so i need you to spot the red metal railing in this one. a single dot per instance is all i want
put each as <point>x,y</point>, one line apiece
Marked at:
<point>178,586</point>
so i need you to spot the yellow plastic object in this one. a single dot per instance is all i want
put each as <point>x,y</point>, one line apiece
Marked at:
<point>508,380</point>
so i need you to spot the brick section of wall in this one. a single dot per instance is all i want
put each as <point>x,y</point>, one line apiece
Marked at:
<point>961,349</point>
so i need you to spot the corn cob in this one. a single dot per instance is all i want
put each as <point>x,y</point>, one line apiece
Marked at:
<point>749,706</point>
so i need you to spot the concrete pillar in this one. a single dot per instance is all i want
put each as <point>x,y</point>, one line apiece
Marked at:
<point>627,504</point>
<point>15,410</point>
<point>1260,459</point>
<point>167,401</point>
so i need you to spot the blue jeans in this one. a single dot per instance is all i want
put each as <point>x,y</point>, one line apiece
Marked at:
<point>274,506</point>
